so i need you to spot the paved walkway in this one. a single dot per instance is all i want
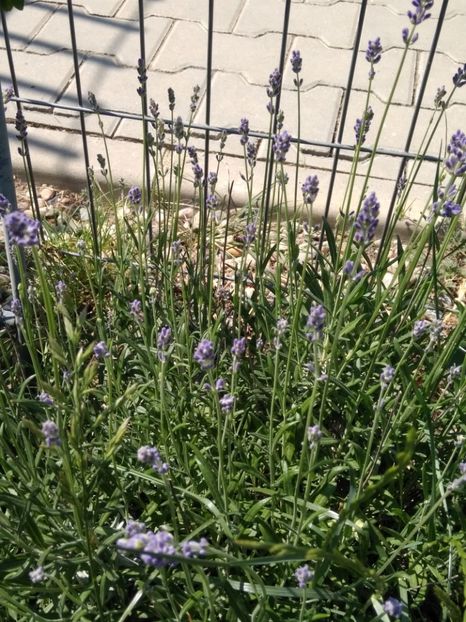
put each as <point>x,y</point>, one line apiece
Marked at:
<point>246,49</point>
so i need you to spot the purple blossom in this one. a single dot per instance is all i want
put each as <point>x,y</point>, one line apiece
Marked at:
<point>310,189</point>
<point>205,355</point>
<point>16,308</point>
<point>281,145</point>
<point>101,350</point>
<point>212,201</point>
<point>37,575</point>
<point>5,205</point>
<point>151,456</point>
<point>362,126</point>
<point>142,77</point>
<point>135,308</point>
<point>455,161</point>
<point>358,276</point>
<point>212,180</point>
<point>135,195</point>
<point>198,173</point>
<point>219,384</point>
<point>459,79</point>
<point>303,575</point>
<point>192,153</point>
<point>158,543</point>
<point>453,372</point>
<point>314,435</point>
<point>244,131</point>
<point>194,98</point>
<point>296,61</point>
<point>171,99</point>
<point>194,548</point>
<point>178,129</point>
<point>348,267</point>
<point>164,339</point>
<point>21,126</point>
<point>387,375</point>
<point>133,528</point>
<point>22,230</point>
<point>405,36</point>
<point>420,327</point>
<point>275,80</point>
<point>420,14</point>
<point>60,288</point>
<point>315,323</point>
<point>393,607</point>
<point>45,398</point>
<point>374,51</point>
<point>249,233</point>
<point>450,209</point>
<point>51,434</point>
<point>239,347</point>
<point>251,153</point>
<point>227,402</point>
<point>367,220</point>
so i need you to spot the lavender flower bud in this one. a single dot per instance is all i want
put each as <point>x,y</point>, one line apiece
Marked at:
<point>195,98</point>
<point>164,339</point>
<point>178,128</point>
<point>227,402</point>
<point>251,153</point>
<point>21,126</point>
<point>135,308</point>
<point>249,233</point>
<point>275,80</point>
<point>310,189</point>
<point>142,77</point>
<point>212,201</point>
<point>367,220</point>
<point>45,398</point>
<point>135,195</point>
<point>314,435</point>
<point>244,131</point>
<point>459,79</point>
<point>374,51</point>
<point>60,288</point>
<point>281,145</point>
<point>455,162</point>
<point>387,375</point>
<point>420,327</point>
<point>348,267</point>
<point>405,37</point>
<point>192,548</point>
<point>212,180</point>
<point>171,99</point>
<point>393,607</point>
<point>315,323</point>
<point>303,575</point>
<point>16,308</point>
<point>51,434</point>
<point>362,126</point>
<point>420,14</point>
<point>205,355</point>
<point>134,528</point>
<point>101,350</point>
<point>22,230</point>
<point>219,384</point>
<point>198,173</point>
<point>158,543</point>
<point>296,61</point>
<point>239,347</point>
<point>151,456</point>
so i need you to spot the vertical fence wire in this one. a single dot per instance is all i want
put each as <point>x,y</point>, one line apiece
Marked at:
<point>210,37</point>
<point>77,77</point>
<point>412,127</point>
<point>19,109</point>
<point>143,93</point>
<point>281,66</point>
<point>344,112</point>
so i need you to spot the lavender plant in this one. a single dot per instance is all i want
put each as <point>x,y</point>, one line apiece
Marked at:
<point>282,438</point>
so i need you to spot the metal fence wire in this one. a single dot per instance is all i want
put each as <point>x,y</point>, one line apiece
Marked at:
<point>336,146</point>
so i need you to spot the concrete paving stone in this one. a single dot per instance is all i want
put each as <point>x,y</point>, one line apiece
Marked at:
<point>157,86</point>
<point>335,25</point>
<point>24,25</point>
<point>452,40</point>
<point>96,7</point>
<point>31,69</point>
<point>455,7</point>
<point>186,44</point>
<point>333,66</point>
<point>100,35</point>
<point>225,11</point>
<point>441,74</point>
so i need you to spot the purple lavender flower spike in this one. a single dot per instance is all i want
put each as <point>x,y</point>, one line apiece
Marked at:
<point>101,350</point>
<point>296,61</point>
<point>195,98</point>
<point>212,201</point>
<point>393,607</point>
<point>205,355</point>
<point>303,575</point>
<point>314,435</point>
<point>244,131</point>
<point>310,189</point>
<point>275,80</point>
<point>387,375</point>
<point>362,126</point>
<point>21,126</point>
<point>151,456</point>
<point>133,528</point>
<point>455,162</point>
<point>367,220</point>
<point>16,308</point>
<point>420,327</point>
<point>135,195</point>
<point>198,173</point>
<point>142,77</point>
<point>22,230</point>
<point>251,153</point>
<point>193,548</point>
<point>178,128</point>
<point>315,323</point>
<point>51,434</point>
<point>219,384</point>
<point>171,99</point>
<point>459,79</point>
<point>60,288</point>
<point>5,205</point>
<point>249,233</point>
<point>348,267</point>
<point>227,402</point>
<point>374,51</point>
<point>239,347</point>
<point>212,180</point>
<point>405,37</point>
<point>164,339</point>
<point>281,145</point>
<point>135,309</point>
<point>450,209</point>
<point>420,14</point>
<point>45,398</point>
<point>8,93</point>
<point>158,543</point>
<point>192,153</point>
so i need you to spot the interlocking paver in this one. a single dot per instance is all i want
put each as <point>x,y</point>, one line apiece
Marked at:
<point>23,25</point>
<point>100,35</point>
<point>334,25</point>
<point>333,66</point>
<point>455,7</point>
<point>442,72</point>
<point>97,7</point>
<point>30,72</point>
<point>225,11</point>
<point>186,47</point>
